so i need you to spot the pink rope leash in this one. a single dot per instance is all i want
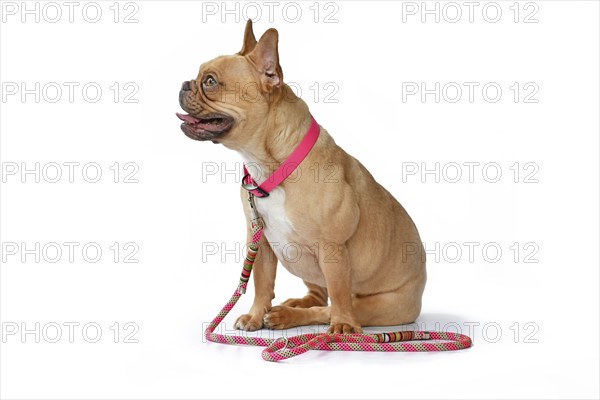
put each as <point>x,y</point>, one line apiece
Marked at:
<point>284,348</point>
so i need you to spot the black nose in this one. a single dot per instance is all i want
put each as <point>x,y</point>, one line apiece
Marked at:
<point>185,88</point>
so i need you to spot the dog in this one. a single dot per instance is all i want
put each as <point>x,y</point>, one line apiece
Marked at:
<point>358,251</point>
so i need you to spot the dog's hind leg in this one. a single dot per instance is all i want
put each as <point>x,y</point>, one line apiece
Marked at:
<point>309,310</point>
<point>398,307</point>
<point>284,317</point>
<point>316,297</point>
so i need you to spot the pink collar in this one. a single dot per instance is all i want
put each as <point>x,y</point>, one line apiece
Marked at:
<point>286,168</point>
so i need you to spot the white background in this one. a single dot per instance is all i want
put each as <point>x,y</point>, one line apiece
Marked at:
<point>175,210</point>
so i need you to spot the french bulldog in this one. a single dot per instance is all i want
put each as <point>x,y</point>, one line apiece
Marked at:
<point>356,248</point>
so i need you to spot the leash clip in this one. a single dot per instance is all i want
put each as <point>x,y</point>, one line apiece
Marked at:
<point>253,213</point>
<point>254,217</point>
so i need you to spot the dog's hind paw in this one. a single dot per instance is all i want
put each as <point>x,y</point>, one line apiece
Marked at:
<point>344,328</point>
<point>282,317</point>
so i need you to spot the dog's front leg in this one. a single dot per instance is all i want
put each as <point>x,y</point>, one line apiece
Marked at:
<point>264,269</point>
<point>335,264</point>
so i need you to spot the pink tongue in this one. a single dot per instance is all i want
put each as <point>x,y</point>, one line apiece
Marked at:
<point>187,118</point>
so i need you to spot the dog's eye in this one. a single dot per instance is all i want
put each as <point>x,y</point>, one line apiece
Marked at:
<point>210,81</point>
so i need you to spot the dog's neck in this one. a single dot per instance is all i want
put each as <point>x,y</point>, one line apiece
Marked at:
<point>277,136</point>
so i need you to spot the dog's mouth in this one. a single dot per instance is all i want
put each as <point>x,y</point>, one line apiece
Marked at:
<point>206,127</point>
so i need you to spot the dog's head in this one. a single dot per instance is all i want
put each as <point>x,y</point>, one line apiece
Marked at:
<point>232,94</point>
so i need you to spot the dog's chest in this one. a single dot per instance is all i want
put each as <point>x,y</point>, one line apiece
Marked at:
<point>278,226</point>
<point>294,254</point>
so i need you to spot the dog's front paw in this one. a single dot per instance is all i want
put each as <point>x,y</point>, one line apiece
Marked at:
<point>341,327</point>
<point>248,322</point>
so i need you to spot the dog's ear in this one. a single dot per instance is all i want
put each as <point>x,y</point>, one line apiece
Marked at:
<point>249,39</point>
<point>266,59</point>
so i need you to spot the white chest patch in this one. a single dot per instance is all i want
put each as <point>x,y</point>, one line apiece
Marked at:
<point>279,230</point>
<point>278,227</point>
